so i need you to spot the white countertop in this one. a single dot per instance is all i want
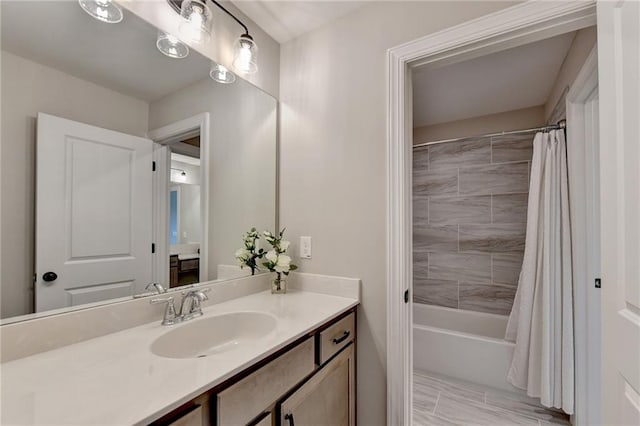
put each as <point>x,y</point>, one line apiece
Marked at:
<point>116,380</point>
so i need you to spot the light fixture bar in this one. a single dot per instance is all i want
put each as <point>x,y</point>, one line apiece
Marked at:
<point>177,5</point>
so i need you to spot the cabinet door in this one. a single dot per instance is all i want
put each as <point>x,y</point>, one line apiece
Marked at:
<point>328,398</point>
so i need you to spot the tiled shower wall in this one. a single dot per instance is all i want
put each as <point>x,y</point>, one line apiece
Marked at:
<point>469,220</point>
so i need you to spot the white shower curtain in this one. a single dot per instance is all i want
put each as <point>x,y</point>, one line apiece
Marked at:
<point>541,321</point>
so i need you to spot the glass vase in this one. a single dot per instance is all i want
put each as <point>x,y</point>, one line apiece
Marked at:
<point>279,285</point>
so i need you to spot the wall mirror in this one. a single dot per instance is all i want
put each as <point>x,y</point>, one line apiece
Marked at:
<point>122,165</point>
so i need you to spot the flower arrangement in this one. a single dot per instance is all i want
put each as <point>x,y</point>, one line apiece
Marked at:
<point>247,255</point>
<point>278,261</point>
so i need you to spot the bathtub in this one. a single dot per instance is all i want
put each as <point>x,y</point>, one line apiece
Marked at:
<point>465,345</point>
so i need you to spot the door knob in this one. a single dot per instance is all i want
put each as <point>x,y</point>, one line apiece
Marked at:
<point>49,276</point>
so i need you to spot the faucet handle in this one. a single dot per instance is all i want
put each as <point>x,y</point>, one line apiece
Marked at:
<point>170,316</point>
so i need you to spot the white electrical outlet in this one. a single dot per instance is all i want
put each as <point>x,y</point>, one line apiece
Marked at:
<point>305,247</point>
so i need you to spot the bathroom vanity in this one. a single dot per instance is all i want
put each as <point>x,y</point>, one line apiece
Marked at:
<point>252,358</point>
<point>312,378</point>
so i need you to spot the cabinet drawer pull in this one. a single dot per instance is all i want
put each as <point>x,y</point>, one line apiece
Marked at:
<point>342,338</point>
<point>289,417</point>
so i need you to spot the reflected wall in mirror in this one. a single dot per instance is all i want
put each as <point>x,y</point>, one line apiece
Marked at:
<point>121,166</point>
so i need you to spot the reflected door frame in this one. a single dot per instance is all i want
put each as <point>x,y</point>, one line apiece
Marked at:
<point>163,136</point>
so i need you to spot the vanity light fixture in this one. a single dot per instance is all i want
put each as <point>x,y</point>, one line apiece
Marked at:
<point>196,21</point>
<point>221,74</point>
<point>103,10</point>
<point>195,14</point>
<point>182,177</point>
<point>245,55</point>
<point>170,46</point>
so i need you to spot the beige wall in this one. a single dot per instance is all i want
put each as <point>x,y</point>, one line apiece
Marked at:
<point>29,88</point>
<point>225,33</point>
<point>242,160</point>
<point>525,118</point>
<point>332,174</point>
<point>583,43</point>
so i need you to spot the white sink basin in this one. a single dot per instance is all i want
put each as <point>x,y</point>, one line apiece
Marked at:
<point>209,336</point>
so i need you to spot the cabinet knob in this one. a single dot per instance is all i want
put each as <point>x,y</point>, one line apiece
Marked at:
<point>49,276</point>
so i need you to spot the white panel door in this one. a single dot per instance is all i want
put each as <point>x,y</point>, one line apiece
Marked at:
<point>619,74</point>
<point>93,213</point>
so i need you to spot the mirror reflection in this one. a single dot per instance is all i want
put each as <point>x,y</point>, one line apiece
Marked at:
<point>122,165</point>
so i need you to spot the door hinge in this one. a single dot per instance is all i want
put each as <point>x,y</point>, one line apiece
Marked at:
<point>153,247</point>
<point>153,166</point>
<point>406,296</point>
<point>598,282</point>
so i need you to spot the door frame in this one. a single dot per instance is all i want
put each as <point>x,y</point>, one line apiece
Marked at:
<point>163,135</point>
<point>514,26</point>
<point>582,148</point>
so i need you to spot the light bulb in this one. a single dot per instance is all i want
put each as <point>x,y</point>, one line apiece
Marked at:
<point>245,55</point>
<point>196,20</point>
<point>170,46</point>
<point>221,74</point>
<point>103,10</point>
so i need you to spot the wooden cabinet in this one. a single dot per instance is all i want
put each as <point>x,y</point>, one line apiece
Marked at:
<point>247,398</point>
<point>327,398</point>
<point>312,381</point>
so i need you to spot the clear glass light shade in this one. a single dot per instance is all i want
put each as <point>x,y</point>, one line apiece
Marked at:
<point>221,74</point>
<point>196,21</point>
<point>170,46</point>
<point>245,55</point>
<point>103,10</point>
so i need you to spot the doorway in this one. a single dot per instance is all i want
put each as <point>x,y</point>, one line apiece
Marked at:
<point>181,197</point>
<point>515,26</point>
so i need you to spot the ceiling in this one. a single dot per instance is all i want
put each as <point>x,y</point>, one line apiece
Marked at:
<point>122,57</point>
<point>286,20</point>
<point>517,78</point>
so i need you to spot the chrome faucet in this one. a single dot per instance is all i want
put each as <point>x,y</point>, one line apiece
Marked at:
<point>190,307</point>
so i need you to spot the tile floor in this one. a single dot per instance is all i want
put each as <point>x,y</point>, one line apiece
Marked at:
<point>443,401</point>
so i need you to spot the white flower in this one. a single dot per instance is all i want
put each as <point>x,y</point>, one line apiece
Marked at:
<point>272,256</point>
<point>283,263</point>
<point>284,245</point>
<point>243,255</point>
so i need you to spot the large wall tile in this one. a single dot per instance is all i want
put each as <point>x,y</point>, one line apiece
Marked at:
<point>460,209</point>
<point>506,268</point>
<point>421,158</point>
<point>467,152</point>
<point>460,267</point>
<point>435,238</point>
<point>420,209</point>
<point>496,179</point>
<point>420,264</point>
<point>492,238</point>
<point>436,292</point>
<point>429,182</point>
<point>509,148</point>
<point>495,298</point>
<point>509,208</point>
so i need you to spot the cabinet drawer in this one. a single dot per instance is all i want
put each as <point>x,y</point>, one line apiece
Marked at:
<point>244,400</point>
<point>173,260</point>
<point>336,337</point>
<point>188,265</point>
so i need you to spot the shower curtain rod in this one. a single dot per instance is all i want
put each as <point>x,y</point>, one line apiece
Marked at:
<point>560,125</point>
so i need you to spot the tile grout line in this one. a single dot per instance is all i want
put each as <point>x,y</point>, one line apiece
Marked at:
<point>436,404</point>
